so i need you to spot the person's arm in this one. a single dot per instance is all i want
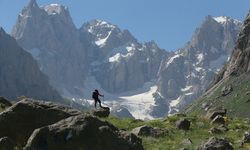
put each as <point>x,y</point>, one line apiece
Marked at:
<point>100,94</point>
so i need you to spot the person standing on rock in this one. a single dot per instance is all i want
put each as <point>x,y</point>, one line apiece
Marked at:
<point>95,96</point>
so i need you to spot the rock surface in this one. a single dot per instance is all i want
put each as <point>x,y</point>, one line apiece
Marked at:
<point>183,124</point>
<point>82,132</point>
<point>19,121</point>
<point>149,131</point>
<point>217,144</point>
<point>102,112</point>
<point>20,74</point>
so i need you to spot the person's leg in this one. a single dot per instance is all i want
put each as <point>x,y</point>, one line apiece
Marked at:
<point>95,102</point>
<point>99,102</point>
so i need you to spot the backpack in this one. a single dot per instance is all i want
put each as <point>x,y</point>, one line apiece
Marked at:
<point>94,95</point>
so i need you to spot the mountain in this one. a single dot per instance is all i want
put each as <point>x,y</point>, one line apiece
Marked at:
<point>20,74</point>
<point>230,88</point>
<point>185,75</point>
<point>49,34</point>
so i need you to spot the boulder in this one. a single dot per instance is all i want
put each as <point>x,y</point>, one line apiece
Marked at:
<point>102,112</point>
<point>18,121</point>
<point>183,124</point>
<point>149,131</point>
<point>215,130</point>
<point>246,138</point>
<point>211,114</point>
<point>217,144</point>
<point>218,120</point>
<point>82,132</point>
<point>4,102</point>
<point>187,141</point>
<point>6,144</point>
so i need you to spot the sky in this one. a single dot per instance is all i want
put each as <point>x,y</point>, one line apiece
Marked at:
<point>170,23</point>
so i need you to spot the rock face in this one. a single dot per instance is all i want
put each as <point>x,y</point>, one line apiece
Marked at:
<point>82,132</point>
<point>20,74</point>
<point>183,124</point>
<point>215,143</point>
<point>19,121</point>
<point>102,112</point>
<point>49,34</point>
<point>149,131</point>
<point>185,75</point>
<point>239,61</point>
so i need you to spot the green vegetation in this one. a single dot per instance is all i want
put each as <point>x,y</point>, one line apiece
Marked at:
<point>236,102</point>
<point>198,133</point>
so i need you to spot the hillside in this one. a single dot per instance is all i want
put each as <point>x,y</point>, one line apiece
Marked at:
<point>231,88</point>
<point>72,129</point>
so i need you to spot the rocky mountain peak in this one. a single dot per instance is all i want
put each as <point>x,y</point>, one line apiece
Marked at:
<point>32,4</point>
<point>56,9</point>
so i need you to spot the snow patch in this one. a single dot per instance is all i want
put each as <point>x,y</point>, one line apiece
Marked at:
<point>54,9</point>
<point>200,58</point>
<point>173,58</point>
<point>187,88</point>
<point>221,19</point>
<point>102,42</point>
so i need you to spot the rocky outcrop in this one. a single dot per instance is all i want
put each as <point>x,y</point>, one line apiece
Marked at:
<point>48,33</point>
<point>82,132</point>
<point>102,112</point>
<point>19,121</point>
<point>183,124</point>
<point>20,74</point>
<point>149,131</point>
<point>216,143</point>
<point>239,61</point>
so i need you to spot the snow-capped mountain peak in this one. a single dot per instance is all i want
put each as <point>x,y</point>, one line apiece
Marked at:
<point>54,9</point>
<point>225,20</point>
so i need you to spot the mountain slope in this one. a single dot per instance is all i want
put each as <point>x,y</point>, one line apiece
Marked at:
<point>231,87</point>
<point>20,74</point>
<point>49,34</point>
<point>185,76</point>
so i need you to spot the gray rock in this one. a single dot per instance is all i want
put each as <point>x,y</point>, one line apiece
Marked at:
<point>218,120</point>
<point>187,141</point>
<point>217,144</point>
<point>215,130</point>
<point>21,76</point>
<point>19,121</point>
<point>82,132</point>
<point>102,112</point>
<point>183,124</point>
<point>246,137</point>
<point>6,144</point>
<point>149,131</point>
<point>212,113</point>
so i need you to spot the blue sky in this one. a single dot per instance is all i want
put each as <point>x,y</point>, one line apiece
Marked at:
<point>170,23</point>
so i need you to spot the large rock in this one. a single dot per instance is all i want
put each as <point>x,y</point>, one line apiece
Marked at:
<point>102,112</point>
<point>218,120</point>
<point>149,131</point>
<point>246,137</point>
<point>19,121</point>
<point>183,124</point>
<point>213,112</point>
<point>6,144</point>
<point>217,144</point>
<point>82,132</point>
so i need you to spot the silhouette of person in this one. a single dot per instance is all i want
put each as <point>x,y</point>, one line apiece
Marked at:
<point>95,96</point>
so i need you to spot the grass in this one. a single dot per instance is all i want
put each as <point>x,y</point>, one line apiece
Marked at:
<point>198,133</point>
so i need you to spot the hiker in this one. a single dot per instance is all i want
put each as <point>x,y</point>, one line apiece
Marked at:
<point>95,95</point>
